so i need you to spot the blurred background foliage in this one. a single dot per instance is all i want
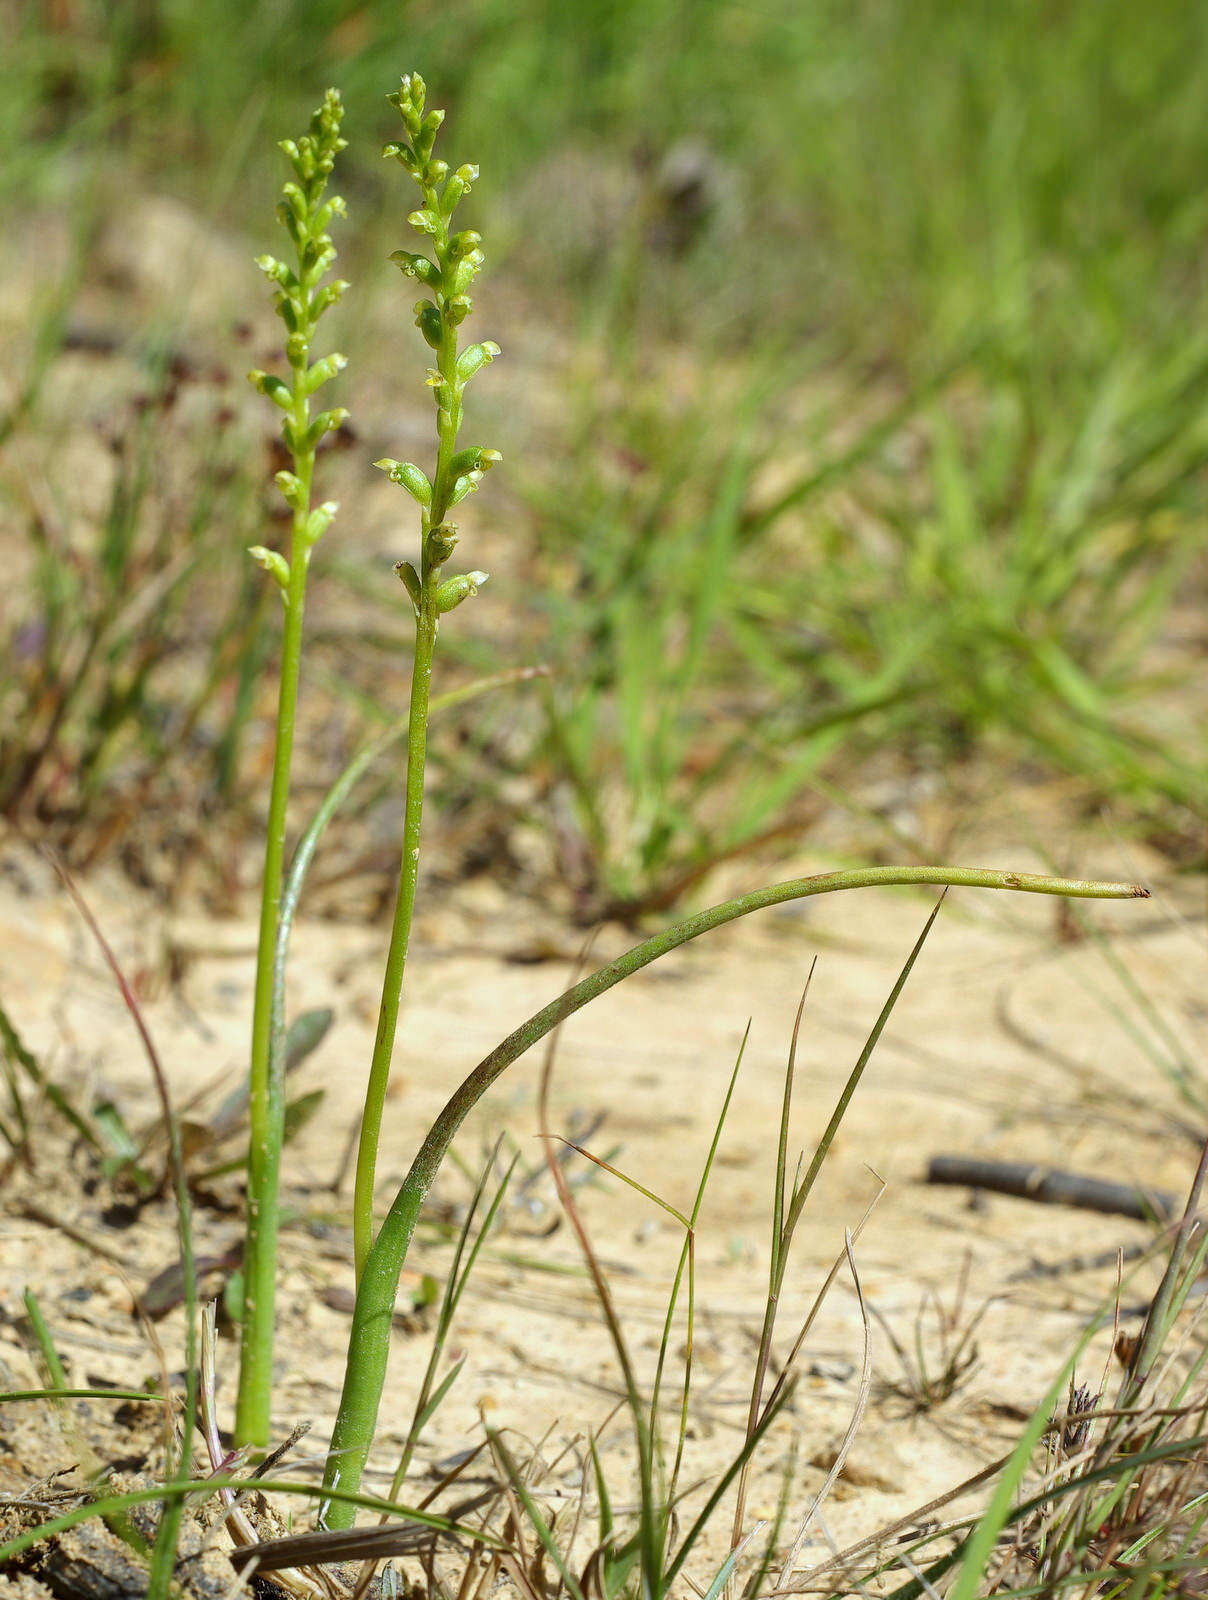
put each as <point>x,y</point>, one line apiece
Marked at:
<point>857,432</point>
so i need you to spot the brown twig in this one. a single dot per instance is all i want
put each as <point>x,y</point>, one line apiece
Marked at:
<point>1051,1187</point>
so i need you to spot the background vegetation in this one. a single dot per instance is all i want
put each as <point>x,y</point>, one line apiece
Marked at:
<point>856,425</point>
<point>855,447</point>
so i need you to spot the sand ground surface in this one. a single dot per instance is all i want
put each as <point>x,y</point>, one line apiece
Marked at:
<point>1015,1039</point>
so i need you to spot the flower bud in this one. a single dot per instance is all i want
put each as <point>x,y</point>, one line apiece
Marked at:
<point>325,422</point>
<point>324,370</point>
<point>291,225</point>
<point>319,520</point>
<point>296,201</point>
<point>291,488</point>
<point>442,541</point>
<point>474,357</point>
<point>277,391</point>
<point>465,271</point>
<point>272,561</point>
<point>288,309</point>
<point>276,271</point>
<point>335,207</point>
<point>454,590</point>
<point>429,322</point>
<point>412,478</point>
<point>411,579</point>
<point>318,255</point>
<point>297,348</point>
<point>417,267</point>
<point>475,459</point>
<point>458,308</point>
<point>402,153</point>
<point>328,296</point>
<point>464,485</point>
<point>428,129</point>
<point>414,89</point>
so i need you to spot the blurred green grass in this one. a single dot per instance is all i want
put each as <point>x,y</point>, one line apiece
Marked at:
<point>884,422</point>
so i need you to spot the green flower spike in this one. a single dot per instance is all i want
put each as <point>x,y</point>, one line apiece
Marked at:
<point>445,267</point>
<point>301,299</point>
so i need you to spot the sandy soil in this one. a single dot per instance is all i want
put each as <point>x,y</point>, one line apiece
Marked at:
<point>1014,1039</point>
<point>1010,1041</point>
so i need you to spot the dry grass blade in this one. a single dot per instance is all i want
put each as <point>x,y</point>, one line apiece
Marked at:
<point>652,1530</point>
<point>526,1570</point>
<point>781,1239</point>
<point>789,1200</point>
<point>1158,1318</point>
<point>849,1436</point>
<point>824,1290</point>
<point>821,1579</point>
<point>625,1178</point>
<point>928,1382</point>
<point>164,1555</point>
<point>321,1548</point>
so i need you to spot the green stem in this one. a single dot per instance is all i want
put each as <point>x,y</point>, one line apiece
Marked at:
<point>400,938</point>
<point>335,797</point>
<point>448,415</point>
<point>377,1288</point>
<point>266,1114</point>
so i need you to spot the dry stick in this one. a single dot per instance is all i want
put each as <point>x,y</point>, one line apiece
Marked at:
<point>161,1357</point>
<point>163,1557</point>
<point>1050,1187</point>
<point>377,1288</point>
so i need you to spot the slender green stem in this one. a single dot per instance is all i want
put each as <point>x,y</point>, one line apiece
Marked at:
<point>366,756</point>
<point>369,1343</point>
<point>440,320</point>
<point>266,1110</point>
<point>300,303</point>
<point>400,938</point>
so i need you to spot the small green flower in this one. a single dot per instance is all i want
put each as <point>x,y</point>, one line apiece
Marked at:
<point>455,260</point>
<point>301,299</point>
